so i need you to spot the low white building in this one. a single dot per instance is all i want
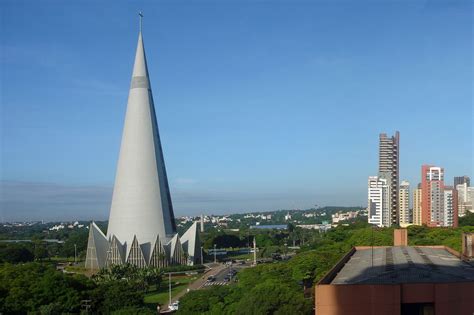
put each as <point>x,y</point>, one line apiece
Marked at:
<point>378,201</point>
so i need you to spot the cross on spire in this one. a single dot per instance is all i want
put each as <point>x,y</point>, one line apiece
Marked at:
<point>140,14</point>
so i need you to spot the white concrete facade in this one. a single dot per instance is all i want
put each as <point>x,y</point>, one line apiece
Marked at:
<point>448,205</point>
<point>465,199</point>
<point>142,229</point>
<point>378,208</point>
<point>141,202</point>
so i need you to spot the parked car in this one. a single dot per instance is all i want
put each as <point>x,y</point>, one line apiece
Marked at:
<point>276,256</point>
<point>174,306</point>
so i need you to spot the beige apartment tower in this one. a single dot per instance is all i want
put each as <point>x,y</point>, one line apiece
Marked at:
<point>404,204</point>
<point>417,205</point>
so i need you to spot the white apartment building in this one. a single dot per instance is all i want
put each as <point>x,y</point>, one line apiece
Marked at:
<point>379,201</point>
<point>470,198</point>
<point>465,199</point>
<point>449,204</point>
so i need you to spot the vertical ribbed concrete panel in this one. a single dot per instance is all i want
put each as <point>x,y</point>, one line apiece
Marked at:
<point>141,202</point>
<point>192,244</point>
<point>97,247</point>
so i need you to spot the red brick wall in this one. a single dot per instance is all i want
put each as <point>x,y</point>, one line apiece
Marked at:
<point>400,237</point>
<point>448,298</point>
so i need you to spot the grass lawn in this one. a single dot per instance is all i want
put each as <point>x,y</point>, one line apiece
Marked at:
<point>178,284</point>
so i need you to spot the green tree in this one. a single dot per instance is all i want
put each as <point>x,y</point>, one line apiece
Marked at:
<point>212,301</point>
<point>40,251</point>
<point>134,310</point>
<point>77,238</point>
<point>15,253</point>
<point>274,297</point>
<point>28,287</point>
<point>120,294</point>
<point>467,220</point>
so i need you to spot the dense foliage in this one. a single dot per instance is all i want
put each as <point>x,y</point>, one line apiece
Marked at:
<point>15,253</point>
<point>265,289</point>
<point>422,235</point>
<point>274,288</point>
<point>467,220</point>
<point>34,287</point>
<point>278,288</point>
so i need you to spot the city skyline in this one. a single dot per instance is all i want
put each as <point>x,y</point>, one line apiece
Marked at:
<point>232,143</point>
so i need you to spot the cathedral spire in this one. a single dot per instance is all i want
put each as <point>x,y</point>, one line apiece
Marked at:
<point>141,202</point>
<point>140,14</point>
<point>141,230</point>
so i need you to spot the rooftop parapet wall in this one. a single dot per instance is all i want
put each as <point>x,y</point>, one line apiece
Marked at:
<point>400,237</point>
<point>398,264</point>
<point>468,246</point>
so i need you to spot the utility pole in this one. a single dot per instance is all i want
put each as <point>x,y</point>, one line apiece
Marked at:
<point>255,250</point>
<point>202,257</point>
<point>215,253</point>
<point>169,282</point>
<point>372,241</point>
<point>75,254</point>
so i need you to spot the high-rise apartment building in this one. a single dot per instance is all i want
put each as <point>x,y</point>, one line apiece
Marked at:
<point>404,204</point>
<point>389,165</point>
<point>450,205</point>
<point>432,200</point>
<point>462,198</point>
<point>465,199</point>
<point>417,205</point>
<point>379,201</point>
<point>470,199</point>
<point>458,180</point>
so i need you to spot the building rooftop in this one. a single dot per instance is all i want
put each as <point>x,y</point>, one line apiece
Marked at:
<point>270,226</point>
<point>401,264</point>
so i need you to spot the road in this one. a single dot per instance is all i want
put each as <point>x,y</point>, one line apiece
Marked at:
<point>196,285</point>
<point>223,273</point>
<point>218,270</point>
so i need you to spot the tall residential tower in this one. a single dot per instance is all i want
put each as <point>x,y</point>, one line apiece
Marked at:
<point>406,215</point>
<point>389,166</point>
<point>432,195</point>
<point>465,199</point>
<point>417,205</point>
<point>458,180</point>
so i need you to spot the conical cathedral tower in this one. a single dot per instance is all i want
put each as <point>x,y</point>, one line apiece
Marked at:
<point>141,229</point>
<point>141,202</point>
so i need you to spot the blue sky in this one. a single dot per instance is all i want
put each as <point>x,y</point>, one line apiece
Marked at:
<point>261,105</point>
